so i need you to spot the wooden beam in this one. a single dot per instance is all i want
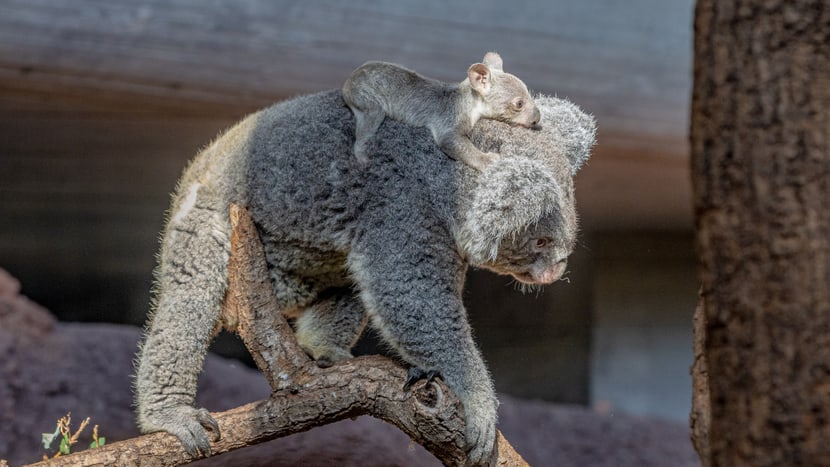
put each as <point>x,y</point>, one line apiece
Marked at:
<point>628,63</point>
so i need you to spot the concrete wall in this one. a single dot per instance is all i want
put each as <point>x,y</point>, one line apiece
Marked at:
<point>537,345</point>
<point>645,289</point>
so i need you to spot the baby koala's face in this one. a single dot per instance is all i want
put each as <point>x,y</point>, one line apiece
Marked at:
<point>536,255</point>
<point>503,96</point>
<point>510,102</point>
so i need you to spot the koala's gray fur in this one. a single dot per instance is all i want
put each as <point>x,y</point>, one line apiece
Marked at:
<point>344,242</point>
<point>376,90</point>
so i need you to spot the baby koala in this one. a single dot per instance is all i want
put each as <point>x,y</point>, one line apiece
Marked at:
<point>379,89</point>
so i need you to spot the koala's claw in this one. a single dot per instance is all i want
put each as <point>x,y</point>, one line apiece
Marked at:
<point>415,374</point>
<point>207,421</point>
<point>195,439</point>
<point>482,443</point>
<point>190,425</point>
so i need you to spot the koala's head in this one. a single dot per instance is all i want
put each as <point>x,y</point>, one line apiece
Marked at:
<point>502,96</point>
<point>520,218</point>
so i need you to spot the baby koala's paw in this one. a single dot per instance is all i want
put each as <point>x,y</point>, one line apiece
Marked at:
<point>361,152</point>
<point>483,160</point>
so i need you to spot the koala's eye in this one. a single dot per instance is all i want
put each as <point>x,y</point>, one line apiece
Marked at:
<point>519,103</point>
<point>541,243</point>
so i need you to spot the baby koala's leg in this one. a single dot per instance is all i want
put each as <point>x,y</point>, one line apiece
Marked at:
<point>367,122</point>
<point>329,329</point>
<point>460,148</point>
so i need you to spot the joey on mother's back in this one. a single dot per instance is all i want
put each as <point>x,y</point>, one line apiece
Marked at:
<point>386,243</point>
<point>377,90</point>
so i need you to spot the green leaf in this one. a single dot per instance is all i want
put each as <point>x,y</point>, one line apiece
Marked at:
<point>101,441</point>
<point>64,448</point>
<point>48,438</point>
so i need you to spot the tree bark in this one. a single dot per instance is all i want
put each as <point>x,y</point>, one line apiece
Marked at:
<point>761,182</point>
<point>304,395</point>
<point>701,415</point>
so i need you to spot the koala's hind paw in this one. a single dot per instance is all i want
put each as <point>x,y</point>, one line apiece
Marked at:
<point>324,356</point>
<point>190,425</point>
<point>481,439</point>
<point>415,374</point>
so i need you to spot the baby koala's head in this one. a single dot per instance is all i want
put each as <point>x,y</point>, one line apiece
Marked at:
<point>503,96</point>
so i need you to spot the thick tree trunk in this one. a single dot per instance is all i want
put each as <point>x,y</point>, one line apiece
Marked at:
<point>701,415</point>
<point>761,179</point>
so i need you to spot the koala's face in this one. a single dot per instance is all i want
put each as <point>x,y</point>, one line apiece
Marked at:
<point>536,255</point>
<point>503,96</point>
<point>509,101</point>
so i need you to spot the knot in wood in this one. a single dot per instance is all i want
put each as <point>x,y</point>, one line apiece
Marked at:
<point>429,395</point>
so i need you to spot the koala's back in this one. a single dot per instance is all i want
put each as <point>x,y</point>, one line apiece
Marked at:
<point>291,164</point>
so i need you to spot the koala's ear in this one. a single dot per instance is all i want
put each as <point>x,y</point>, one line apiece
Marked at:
<point>493,60</point>
<point>567,129</point>
<point>479,75</point>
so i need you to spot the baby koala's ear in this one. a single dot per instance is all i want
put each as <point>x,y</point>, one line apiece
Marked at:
<point>493,60</point>
<point>479,75</point>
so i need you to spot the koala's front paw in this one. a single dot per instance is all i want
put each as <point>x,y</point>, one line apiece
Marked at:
<point>189,424</point>
<point>481,431</point>
<point>415,374</point>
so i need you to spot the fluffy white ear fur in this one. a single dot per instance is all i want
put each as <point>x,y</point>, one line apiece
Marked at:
<point>528,169</point>
<point>573,130</point>
<point>494,213</point>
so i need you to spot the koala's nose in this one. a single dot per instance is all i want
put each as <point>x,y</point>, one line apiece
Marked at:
<point>536,117</point>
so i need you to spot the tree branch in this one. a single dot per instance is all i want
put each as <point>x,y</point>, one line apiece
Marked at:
<point>304,395</point>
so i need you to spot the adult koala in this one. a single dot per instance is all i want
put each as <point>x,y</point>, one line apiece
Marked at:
<point>345,243</point>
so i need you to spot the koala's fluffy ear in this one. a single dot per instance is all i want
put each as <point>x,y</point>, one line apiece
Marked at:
<point>479,75</point>
<point>570,130</point>
<point>493,60</point>
<point>512,194</point>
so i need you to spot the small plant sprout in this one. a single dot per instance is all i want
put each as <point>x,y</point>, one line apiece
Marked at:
<point>63,431</point>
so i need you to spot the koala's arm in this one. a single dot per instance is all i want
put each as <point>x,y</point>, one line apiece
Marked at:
<point>410,280</point>
<point>458,146</point>
<point>191,281</point>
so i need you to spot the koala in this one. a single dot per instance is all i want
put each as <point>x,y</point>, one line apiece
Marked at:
<point>347,245</point>
<point>377,90</point>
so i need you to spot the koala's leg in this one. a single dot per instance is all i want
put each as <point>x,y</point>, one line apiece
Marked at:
<point>328,329</point>
<point>459,147</point>
<point>191,283</point>
<point>367,122</point>
<point>413,297</point>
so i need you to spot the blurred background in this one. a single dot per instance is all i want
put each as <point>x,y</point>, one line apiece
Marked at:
<point>102,104</point>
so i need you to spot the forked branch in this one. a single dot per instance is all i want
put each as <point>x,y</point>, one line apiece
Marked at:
<point>303,395</point>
